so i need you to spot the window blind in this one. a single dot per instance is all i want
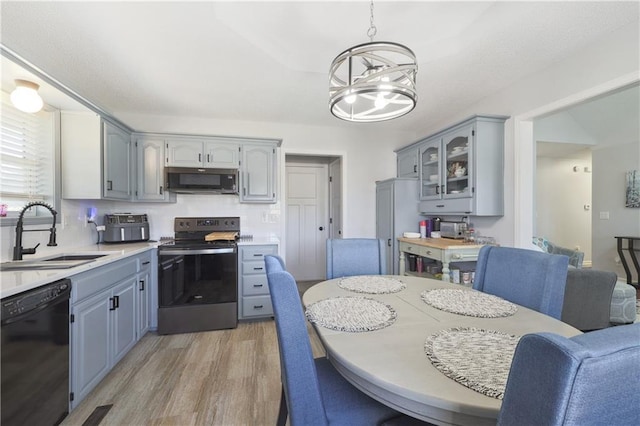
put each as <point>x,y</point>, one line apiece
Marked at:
<point>26,156</point>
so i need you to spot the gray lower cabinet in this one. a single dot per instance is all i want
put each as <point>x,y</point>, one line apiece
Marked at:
<point>253,289</point>
<point>107,308</point>
<point>143,287</point>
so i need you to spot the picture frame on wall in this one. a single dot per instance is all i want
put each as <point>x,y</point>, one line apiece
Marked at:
<point>633,189</point>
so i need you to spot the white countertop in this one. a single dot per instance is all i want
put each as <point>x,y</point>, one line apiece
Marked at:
<point>14,282</point>
<point>259,241</point>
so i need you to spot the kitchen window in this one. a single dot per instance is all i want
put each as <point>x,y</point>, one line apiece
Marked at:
<point>29,162</point>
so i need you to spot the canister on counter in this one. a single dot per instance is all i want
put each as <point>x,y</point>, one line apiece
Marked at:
<point>412,262</point>
<point>455,275</point>
<point>423,229</point>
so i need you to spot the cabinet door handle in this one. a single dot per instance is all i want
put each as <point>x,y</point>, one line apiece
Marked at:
<point>258,255</point>
<point>117,301</point>
<point>199,158</point>
<point>113,303</point>
<point>146,263</point>
<point>437,189</point>
<point>208,158</point>
<point>257,269</point>
<point>440,205</point>
<point>389,242</point>
<point>258,306</point>
<point>415,168</point>
<point>141,285</point>
<point>258,285</point>
<point>160,189</point>
<point>109,185</point>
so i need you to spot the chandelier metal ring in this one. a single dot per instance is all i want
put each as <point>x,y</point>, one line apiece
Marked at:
<point>373,81</point>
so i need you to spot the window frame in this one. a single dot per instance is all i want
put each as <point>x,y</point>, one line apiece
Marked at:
<point>56,178</point>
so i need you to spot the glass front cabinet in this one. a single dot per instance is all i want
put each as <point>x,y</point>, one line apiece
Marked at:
<point>461,168</point>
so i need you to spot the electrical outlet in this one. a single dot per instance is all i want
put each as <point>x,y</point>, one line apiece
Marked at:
<point>604,215</point>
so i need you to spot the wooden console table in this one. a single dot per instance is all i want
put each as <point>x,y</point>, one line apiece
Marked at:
<point>443,249</point>
<point>632,253</point>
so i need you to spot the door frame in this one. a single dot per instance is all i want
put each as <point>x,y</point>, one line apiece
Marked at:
<point>524,153</point>
<point>318,154</point>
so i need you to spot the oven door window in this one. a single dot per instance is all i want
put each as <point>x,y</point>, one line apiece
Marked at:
<point>196,279</point>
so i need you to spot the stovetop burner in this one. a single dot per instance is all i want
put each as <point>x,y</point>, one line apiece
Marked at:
<point>192,232</point>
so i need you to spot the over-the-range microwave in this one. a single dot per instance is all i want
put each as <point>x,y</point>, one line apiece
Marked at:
<point>192,180</point>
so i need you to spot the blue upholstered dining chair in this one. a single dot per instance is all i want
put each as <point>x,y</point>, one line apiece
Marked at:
<point>590,379</point>
<point>529,278</point>
<point>313,392</point>
<point>274,263</point>
<point>355,256</point>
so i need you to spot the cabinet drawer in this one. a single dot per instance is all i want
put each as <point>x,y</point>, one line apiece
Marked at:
<point>258,252</point>
<point>253,268</point>
<point>91,282</point>
<point>144,261</point>
<point>430,252</point>
<point>254,285</point>
<point>459,205</point>
<point>257,306</point>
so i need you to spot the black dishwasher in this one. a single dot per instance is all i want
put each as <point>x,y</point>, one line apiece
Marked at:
<point>34,335</point>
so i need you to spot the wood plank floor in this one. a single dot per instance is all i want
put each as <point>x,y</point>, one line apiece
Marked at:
<point>225,377</point>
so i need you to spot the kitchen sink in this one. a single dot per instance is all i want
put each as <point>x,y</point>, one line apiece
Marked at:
<point>73,257</point>
<point>64,261</point>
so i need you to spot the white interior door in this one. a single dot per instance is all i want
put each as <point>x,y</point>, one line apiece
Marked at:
<point>307,205</point>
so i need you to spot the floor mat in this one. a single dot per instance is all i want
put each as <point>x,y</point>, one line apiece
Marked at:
<point>98,414</point>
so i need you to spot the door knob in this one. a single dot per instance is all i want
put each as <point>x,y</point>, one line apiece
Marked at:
<point>321,228</point>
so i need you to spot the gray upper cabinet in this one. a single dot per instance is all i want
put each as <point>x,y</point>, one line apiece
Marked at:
<point>461,168</point>
<point>96,158</point>
<point>184,153</point>
<point>223,155</point>
<point>117,163</point>
<point>150,170</point>
<point>209,153</point>
<point>258,173</point>
<point>407,162</point>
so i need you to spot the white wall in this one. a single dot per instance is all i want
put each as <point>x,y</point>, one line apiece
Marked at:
<point>368,149</point>
<point>613,58</point>
<point>367,156</point>
<point>610,165</point>
<point>561,197</point>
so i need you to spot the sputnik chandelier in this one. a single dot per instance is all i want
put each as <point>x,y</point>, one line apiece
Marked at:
<point>374,81</point>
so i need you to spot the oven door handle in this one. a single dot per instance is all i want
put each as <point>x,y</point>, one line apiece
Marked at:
<point>179,252</point>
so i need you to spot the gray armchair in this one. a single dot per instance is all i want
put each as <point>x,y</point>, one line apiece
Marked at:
<point>587,298</point>
<point>575,257</point>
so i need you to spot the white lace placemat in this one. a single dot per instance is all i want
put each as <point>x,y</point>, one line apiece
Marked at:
<point>468,302</point>
<point>475,358</point>
<point>353,314</point>
<point>372,284</point>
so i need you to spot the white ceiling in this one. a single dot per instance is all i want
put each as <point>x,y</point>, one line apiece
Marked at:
<point>269,61</point>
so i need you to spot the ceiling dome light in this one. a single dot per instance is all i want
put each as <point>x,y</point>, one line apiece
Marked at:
<point>374,81</point>
<point>25,97</point>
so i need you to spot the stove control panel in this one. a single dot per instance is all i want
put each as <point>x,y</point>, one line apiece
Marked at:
<point>209,224</point>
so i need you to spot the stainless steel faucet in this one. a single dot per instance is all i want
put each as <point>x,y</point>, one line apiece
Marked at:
<point>18,251</point>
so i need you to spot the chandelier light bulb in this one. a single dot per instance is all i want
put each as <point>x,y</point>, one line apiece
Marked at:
<point>26,98</point>
<point>381,102</point>
<point>350,99</point>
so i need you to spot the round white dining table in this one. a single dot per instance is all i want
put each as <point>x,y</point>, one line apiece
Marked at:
<point>390,364</point>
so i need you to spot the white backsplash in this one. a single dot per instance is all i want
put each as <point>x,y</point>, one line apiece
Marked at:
<point>259,220</point>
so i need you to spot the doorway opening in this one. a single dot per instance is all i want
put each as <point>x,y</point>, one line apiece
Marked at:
<point>313,211</point>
